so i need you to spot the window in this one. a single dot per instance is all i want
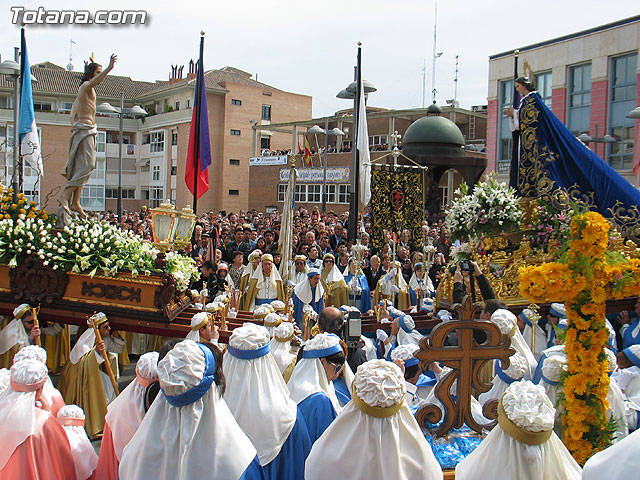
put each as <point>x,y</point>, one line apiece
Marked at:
<point>174,170</point>
<point>234,162</point>
<point>235,132</point>
<point>282,191</point>
<point>98,171</point>
<point>234,193</point>
<point>343,193</point>
<point>144,194</point>
<point>173,196</point>
<point>144,168</point>
<point>543,85</point>
<point>504,146</point>
<point>127,193</point>
<point>157,142</point>
<point>32,195</point>
<point>188,103</point>
<point>378,140</point>
<point>92,197</point>
<point>176,106</point>
<point>331,194</point>
<point>313,193</point>
<point>624,78</point>
<point>64,107</point>
<point>101,140</point>
<point>623,100</point>
<point>40,106</point>
<point>301,193</point>
<point>155,173</point>
<point>444,196</point>
<point>235,101</point>
<point>579,98</point>
<point>174,137</point>
<point>156,196</point>
<point>4,102</point>
<point>265,143</point>
<point>621,155</point>
<point>266,112</point>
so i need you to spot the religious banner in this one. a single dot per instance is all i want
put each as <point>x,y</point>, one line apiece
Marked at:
<point>397,203</point>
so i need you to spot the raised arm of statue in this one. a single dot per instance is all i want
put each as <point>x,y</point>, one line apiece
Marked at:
<point>95,81</point>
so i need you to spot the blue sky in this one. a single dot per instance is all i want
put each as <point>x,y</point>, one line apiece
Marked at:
<point>310,47</point>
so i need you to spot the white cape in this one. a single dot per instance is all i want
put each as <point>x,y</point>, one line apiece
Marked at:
<point>394,448</point>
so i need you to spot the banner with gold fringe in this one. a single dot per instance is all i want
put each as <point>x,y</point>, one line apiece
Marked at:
<point>397,203</point>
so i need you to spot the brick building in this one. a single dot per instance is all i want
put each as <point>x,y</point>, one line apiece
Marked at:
<point>154,148</point>
<point>267,182</point>
<point>589,79</point>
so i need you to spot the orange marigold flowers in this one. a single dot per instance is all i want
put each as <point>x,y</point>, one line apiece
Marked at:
<point>584,279</point>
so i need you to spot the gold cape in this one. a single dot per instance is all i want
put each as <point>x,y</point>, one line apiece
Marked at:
<point>57,347</point>
<point>404,299</point>
<point>247,299</point>
<point>339,291</point>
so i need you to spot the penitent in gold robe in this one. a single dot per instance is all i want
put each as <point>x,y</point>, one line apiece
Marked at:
<point>338,293</point>
<point>404,299</point>
<point>248,298</point>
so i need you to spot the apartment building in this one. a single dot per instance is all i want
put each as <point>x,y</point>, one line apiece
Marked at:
<point>589,79</point>
<point>154,148</point>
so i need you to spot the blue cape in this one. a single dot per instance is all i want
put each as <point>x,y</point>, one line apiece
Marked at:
<point>557,167</point>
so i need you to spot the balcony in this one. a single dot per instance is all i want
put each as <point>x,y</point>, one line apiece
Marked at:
<point>128,150</point>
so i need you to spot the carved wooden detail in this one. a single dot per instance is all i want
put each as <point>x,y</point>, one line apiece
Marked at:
<point>111,292</point>
<point>167,300</point>
<point>466,359</point>
<point>33,282</point>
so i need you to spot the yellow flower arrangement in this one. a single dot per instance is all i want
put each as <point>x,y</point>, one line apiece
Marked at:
<point>584,279</point>
<point>22,208</point>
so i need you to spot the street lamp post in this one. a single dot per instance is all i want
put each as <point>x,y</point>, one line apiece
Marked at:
<point>586,138</point>
<point>334,131</point>
<point>134,112</point>
<point>12,69</point>
<point>350,93</point>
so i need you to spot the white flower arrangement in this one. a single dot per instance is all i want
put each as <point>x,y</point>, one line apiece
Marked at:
<point>183,269</point>
<point>88,247</point>
<point>490,208</point>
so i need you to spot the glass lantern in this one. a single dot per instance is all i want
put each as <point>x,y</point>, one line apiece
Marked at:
<point>185,222</point>
<point>163,223</point>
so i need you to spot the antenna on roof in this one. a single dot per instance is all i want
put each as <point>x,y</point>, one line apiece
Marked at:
<point>70,65</point>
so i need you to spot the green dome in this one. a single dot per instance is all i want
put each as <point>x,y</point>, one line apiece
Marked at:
<point>433,129</point>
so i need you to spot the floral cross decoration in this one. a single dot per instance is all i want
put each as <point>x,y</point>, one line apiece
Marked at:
<point>584,277</point>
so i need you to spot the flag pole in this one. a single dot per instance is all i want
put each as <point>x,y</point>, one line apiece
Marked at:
<point>515,135</point>
<point>355,184</point>
<point>197,141</point>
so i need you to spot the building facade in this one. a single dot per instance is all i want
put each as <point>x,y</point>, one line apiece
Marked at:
<point>589,79</point>
<point>154,149</point>
<point>268,178</point>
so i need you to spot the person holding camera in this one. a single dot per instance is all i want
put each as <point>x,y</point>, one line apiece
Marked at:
<point>466,274</point>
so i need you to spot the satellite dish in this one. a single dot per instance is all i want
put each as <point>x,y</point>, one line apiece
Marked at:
<point>70,67</point>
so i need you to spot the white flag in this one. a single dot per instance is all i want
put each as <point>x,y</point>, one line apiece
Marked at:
<point>27,129</point>
<point>363,148</point>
